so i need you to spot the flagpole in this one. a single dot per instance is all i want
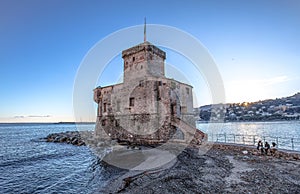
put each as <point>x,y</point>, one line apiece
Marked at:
<point>145,29</point>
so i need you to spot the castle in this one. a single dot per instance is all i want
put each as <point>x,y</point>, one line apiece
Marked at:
<point>147,108</point>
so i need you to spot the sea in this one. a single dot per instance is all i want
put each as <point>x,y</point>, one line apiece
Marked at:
<point>29,164</point>
<point>286,134</point>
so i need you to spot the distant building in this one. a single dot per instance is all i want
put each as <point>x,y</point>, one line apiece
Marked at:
<point>147,107</point>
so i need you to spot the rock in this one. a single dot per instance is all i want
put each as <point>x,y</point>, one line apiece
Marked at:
<point>57,139</point>
<point>296,157</point>
<point>63,139</point>
<point>75,141</point>
<point>69,137</point>
<point>81,143</point>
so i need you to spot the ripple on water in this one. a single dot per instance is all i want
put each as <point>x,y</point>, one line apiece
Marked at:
<point>29,166</point>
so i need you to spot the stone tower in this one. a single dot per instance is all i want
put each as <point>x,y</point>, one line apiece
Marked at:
<point>147,108</point>
<point>143,60</point>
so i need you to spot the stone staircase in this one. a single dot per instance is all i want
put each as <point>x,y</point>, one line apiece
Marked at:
<point>191,134</point>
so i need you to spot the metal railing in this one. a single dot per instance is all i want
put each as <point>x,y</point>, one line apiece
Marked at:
<point>281,142</point>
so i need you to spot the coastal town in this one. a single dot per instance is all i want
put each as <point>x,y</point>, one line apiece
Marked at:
<point>286,108</point>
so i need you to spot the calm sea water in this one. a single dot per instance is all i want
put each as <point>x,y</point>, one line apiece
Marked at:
<point>29,165</point>
<point>286,133</point>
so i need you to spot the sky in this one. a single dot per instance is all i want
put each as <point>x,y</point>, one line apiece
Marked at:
<point>255,45</point>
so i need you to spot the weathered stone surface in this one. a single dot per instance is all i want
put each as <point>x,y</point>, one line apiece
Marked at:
<point>142,108</point>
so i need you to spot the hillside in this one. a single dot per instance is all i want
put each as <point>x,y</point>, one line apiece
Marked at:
<point>286,108</point>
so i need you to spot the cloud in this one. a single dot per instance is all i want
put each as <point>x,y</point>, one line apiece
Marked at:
<point>19,117</point>
<point>39,116</point>
<point>31,116</point>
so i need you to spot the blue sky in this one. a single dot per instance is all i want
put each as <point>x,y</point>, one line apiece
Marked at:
<point>255,44</point>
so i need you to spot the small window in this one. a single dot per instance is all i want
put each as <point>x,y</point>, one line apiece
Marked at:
<point>103,122</point>
<point>141,66</point>
<point>133,59</point>
<point>131,101</point>
<point>104,107</point>
<point>141,84</point>
<point>117,122</point>
<point>187,91</point>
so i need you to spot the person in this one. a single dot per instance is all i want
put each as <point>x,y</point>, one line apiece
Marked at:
<point>260,146</point>
<point>267,147</point>
<point>273,149</point>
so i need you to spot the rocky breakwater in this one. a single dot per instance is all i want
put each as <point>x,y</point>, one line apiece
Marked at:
<point>70,137</point>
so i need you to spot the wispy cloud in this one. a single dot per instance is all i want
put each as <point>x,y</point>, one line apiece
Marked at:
<point>31,116</point>
<point>39,116</point>
<point>19,117</point>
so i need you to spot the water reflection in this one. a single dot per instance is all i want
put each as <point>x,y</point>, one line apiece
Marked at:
<point>286,134</point>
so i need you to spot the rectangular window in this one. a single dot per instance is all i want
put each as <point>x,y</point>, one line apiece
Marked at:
<point>117,122</point>
<point>103,122</point>
<point>131,101</point>
<point>187,91</point>
<point>104,107</point>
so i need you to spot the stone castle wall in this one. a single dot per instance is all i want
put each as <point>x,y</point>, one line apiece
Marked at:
<point>143,106</point>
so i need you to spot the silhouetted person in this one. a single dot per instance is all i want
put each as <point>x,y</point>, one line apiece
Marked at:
<point>260,146</point>
<point>273,148</point>
<point>267,147</point>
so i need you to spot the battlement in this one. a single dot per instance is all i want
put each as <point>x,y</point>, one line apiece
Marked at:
<point>144,47</point>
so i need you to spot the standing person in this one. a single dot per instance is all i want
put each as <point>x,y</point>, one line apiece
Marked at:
<point>267,147</point>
